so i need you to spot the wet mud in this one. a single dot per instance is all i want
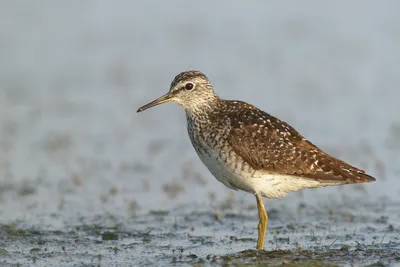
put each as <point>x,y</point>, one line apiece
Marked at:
<point>205,235</point>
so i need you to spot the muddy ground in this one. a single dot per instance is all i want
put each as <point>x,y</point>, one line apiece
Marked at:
<point>215,234</point>
<point>85,181</point>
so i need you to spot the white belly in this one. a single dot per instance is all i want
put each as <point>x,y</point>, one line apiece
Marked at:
<point>267,184</point>
<point>222,171</point>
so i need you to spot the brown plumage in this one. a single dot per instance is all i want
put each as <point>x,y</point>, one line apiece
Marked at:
<point>247,149</point>
<point>267,143</point>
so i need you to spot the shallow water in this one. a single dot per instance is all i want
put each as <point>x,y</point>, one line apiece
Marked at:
<point>78,166</point>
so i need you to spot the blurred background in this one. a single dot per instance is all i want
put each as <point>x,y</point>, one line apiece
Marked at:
<point>73,73</point>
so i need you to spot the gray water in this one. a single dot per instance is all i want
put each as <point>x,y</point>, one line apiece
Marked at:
<point>79,166</point>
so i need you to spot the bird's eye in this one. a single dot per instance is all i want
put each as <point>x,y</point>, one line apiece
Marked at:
<point>189,86</point>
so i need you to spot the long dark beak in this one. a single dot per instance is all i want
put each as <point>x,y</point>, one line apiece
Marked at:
<point>158,101</point>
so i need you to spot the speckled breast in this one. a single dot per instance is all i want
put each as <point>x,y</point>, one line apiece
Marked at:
<point>212,147</point>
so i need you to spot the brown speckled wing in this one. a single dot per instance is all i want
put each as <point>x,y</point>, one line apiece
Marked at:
<point>267,143</point>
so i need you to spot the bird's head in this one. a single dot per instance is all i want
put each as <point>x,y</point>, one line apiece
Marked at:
<point>189,89</point>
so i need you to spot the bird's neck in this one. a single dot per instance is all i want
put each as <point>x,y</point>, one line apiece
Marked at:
<point>205,109</point>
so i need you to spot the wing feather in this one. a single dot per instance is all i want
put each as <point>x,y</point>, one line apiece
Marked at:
<point>267,143</point>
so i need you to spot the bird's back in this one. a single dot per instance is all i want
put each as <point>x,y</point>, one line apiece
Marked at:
<point>241,141</point>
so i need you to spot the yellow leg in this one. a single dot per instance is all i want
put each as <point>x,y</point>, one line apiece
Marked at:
<point>262,225</point>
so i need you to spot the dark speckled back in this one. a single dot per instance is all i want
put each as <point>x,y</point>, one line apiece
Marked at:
<point>267,143</point>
